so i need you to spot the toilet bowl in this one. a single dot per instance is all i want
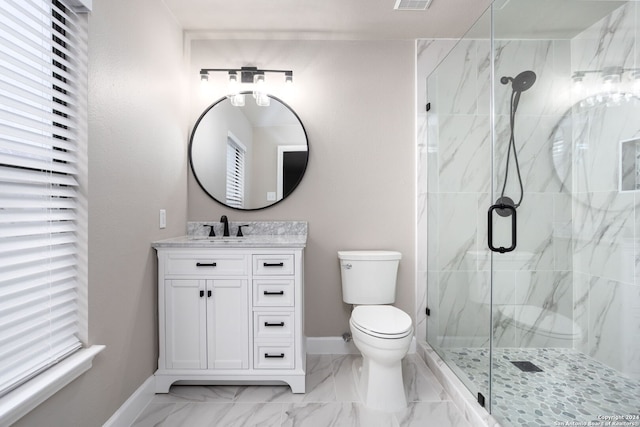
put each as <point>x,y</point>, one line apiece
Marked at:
<point>383,335</point>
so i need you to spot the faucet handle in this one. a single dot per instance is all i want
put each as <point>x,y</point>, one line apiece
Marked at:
<point>240,230</point>
<point>212,232</point>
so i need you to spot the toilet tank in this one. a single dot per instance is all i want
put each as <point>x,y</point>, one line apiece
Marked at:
<point>369,277</point>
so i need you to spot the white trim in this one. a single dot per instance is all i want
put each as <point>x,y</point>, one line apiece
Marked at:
<point>336,345</point>
<point>236,141</point>
<point>19,402</point>
<point>135,404</point>
<point>281,150</point>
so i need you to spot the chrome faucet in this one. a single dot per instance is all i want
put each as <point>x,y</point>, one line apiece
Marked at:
<point>225,221</point>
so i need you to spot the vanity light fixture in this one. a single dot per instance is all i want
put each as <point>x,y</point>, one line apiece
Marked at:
<point>247,75</point>
<point>578,76</point>
<point>610,84</point>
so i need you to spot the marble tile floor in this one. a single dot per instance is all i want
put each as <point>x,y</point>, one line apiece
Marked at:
<point>331,400</point>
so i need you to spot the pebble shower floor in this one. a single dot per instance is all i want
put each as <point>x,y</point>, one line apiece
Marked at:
<point>572,389</point>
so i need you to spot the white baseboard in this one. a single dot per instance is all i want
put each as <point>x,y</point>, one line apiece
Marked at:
<point>336,345</point>
<point>135,404</point>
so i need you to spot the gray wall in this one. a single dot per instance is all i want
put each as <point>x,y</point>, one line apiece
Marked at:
<point>137,165</point>
<point>355,99</point>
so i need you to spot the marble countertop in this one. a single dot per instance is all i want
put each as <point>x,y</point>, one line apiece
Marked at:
<point>252,241</point>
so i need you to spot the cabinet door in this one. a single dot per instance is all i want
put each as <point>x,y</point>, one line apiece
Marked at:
<point>185,311</point>
<point>228,324</point>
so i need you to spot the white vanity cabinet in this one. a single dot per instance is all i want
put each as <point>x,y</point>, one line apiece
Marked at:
<point>230,315</point>
<point>206,324</point>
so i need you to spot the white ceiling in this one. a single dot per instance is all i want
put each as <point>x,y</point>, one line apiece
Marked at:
<point>324,19</point>
<point>377,20</point>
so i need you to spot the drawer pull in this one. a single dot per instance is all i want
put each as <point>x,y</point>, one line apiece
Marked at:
<point>273,264</point>
<point>274,293</point>
<point>273,324</point>
<point>274,356</point>
<point>204,264</point>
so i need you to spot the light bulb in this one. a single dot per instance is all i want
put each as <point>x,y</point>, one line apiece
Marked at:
<point>237,100</point>
<point>262,99</point>
<point>233,82</point>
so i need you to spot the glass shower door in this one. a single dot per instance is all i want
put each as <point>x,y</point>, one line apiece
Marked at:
<point>565,302</point>
<point>459,177</point>
<point>549,332</point>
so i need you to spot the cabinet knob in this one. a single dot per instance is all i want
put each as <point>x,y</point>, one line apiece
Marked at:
<point>201,294</point>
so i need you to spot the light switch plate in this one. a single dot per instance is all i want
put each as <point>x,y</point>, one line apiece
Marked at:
<point>163,218</point>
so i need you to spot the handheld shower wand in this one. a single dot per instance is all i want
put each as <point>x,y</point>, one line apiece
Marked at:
<point>519,84</point>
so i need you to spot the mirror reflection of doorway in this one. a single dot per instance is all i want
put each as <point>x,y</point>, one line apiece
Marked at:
<point>292,162</point>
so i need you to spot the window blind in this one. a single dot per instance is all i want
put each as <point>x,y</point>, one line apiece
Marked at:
<point>41,47</point>
<point>235,174</point>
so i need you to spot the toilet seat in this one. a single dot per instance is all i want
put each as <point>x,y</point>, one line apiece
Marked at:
<point>381,321</point>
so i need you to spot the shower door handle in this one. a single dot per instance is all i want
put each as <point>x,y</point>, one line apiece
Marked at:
<point>512,210</point>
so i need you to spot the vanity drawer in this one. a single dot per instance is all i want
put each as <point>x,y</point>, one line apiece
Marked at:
<point>199,264</point>
<point>273,325</point>
<point>273,292</point>
<point>272,265</point>
<point>273,356</point>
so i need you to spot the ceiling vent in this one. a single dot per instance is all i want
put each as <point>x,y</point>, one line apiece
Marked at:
<point>412,4</point>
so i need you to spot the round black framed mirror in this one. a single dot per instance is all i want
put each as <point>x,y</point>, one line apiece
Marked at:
<point>248,152</point>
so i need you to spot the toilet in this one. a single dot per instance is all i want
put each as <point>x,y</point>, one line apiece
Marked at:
<point>381,332</point>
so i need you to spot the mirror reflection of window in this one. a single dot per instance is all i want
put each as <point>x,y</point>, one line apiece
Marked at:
<point>236,152</point>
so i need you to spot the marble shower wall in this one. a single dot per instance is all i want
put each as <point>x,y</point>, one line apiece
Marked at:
<point>457,192</point>
<point>578,257</point>
<point>606,232</point>
<point>429,53</point>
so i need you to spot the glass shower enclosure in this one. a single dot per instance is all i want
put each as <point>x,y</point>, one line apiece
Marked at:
<point>533,231</point>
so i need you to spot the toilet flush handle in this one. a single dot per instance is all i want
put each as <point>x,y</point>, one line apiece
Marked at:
<point>347,266</point>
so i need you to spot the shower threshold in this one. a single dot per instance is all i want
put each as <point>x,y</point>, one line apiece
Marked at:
<point>570,388</point>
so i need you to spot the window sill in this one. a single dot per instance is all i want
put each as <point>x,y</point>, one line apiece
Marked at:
<point>20,401</point>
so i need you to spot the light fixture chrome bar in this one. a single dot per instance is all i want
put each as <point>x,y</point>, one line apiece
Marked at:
<point>247,74</point>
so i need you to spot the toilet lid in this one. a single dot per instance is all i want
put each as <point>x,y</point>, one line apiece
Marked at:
<point>381,319</point>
